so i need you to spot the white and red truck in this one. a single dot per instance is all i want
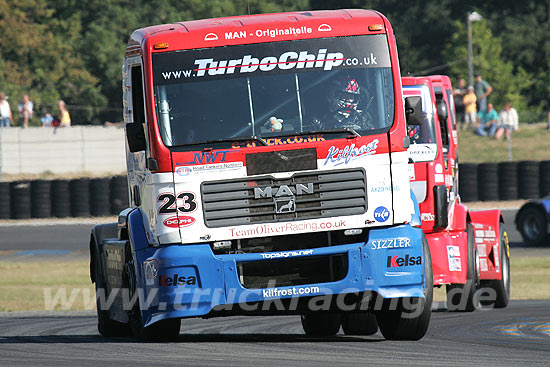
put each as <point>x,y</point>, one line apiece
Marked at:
<point>469,249</point>
<point>268,174</point>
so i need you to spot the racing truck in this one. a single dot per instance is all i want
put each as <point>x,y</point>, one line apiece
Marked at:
<point>267,175</point>
<point>469,249</point>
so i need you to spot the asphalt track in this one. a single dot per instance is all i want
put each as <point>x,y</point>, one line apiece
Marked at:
<point>517,335</point>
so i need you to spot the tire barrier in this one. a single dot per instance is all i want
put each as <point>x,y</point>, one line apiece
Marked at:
<point>467,181</point>
<point>100,204</point>
<point>487,174</point>
<point>544,178</point>
<point>508,180</point>
<point>20,199</point>
<point>5,210</point>
<point>40,199</point>
<point>119,194</point>
<point>529,180</point>
<point>79,190</point>
<point>109,196</point>
<point>60,198</point>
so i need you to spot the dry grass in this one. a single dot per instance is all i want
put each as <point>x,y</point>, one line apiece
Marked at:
<point>530,143</point>
<point>23,284</point>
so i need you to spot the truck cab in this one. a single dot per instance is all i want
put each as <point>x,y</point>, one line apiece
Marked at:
<point>267,160</point>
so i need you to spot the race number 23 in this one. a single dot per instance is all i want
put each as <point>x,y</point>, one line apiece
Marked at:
<point>184,202</point>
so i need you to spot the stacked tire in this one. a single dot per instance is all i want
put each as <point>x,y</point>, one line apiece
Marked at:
<point>467,181</point>
<point>5,196</point>
<point>544,178</point>
<point>529,179</point>
<point>60,198</point>
<point>508,180</point>
<point>487,174</point>
<point>20,200</point>
<point>100,197</point>
<point>79,190</point>
<point>119,194</point>
<point>40,199</point>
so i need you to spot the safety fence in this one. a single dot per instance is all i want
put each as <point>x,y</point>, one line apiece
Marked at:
<point>504,180</point>
<point>82,197</point>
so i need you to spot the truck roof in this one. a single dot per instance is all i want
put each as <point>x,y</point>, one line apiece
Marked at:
<point>261,28</point>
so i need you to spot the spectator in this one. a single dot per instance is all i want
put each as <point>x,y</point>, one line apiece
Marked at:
<point>470,115</point>
<point>47,120</point>
<point>488,120</point>
<point>25,110</point>
<point>548,126</point>
<point>458,94</point>
<point>5,111</point>
<point>507,121</point>
<point>482,90</point>
<point>64,117</point>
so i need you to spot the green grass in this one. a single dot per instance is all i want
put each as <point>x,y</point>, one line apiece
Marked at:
<point>532,142</point>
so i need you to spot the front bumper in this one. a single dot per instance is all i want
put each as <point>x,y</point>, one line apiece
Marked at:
<point>189,280</point>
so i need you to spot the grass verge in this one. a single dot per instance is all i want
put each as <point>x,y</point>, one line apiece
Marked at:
<point>53,285</point>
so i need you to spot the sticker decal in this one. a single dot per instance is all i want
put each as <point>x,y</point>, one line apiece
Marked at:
<point>184,202</point>
<point>381,214</point>
<point>350,153</point>
<point>178,222</point>
<point>497,257</point>
<point>324,28</point>
<point>483,264</point>
<point>211,37</point>
<point>453,255</point>
<point>390,243</point>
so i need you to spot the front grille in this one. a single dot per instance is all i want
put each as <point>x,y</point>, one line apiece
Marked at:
<point>335,193</point>
<point>293,272</point>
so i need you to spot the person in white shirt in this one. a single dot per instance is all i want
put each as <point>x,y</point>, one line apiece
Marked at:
<point>25,110</point>
<point>5,111</point>
<point>507,121</point>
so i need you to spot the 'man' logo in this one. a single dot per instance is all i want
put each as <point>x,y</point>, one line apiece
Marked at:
<point>175,280</point>
<point>283,190</point>
<point>208,157</point>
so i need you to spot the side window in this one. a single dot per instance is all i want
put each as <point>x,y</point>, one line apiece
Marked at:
<point>137,95</point>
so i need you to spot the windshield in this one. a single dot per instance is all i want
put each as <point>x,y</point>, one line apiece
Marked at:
<point>271,90</point>
<point>423,140</point>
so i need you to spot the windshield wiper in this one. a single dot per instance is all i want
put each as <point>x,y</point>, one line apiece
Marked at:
<point>224,140</point>
<point>338,130</point>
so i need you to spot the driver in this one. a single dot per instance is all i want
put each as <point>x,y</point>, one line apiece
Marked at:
<point>343,106</point>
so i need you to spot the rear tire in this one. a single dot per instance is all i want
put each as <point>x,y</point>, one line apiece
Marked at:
<point>359,323</point>
<point>457,292</point>
<point>321,323</point>
<point>411,319</point>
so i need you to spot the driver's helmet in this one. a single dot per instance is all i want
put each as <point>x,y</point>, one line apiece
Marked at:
<point>346,96</point>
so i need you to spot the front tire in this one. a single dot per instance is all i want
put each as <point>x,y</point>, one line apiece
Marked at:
<point>502,286</point>
<point>161,330</point>
<point>531,222</point>
<point>321,323</point>
<point>359,323</point>
<point>411,318</point>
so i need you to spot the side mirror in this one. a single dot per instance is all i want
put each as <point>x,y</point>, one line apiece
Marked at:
<point>135,136</point>
<point>442,111</point>
<point>441,207</point>
<point>413,110</point>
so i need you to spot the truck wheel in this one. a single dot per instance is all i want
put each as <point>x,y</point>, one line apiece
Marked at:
<point>502,286</point>
<point>411,319</point>
<point>321,323</point>
<point>531,223</point>
<point>457,292</point>
<point>105,325</point>
<point>359,323</point>
<point>161,330</point>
